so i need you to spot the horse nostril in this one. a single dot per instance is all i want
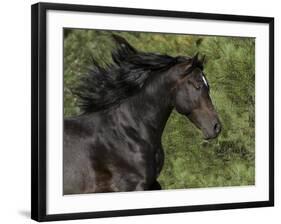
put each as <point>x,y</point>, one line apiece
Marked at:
<point>217,128</point>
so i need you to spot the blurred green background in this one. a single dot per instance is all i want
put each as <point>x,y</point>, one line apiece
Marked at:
<point>190,162</point>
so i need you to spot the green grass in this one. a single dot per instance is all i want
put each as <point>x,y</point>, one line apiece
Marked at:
<point>190,162</point>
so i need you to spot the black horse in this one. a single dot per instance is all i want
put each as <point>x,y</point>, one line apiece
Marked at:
<point>115,145</point>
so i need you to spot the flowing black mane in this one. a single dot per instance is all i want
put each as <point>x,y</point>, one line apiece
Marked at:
<point>103,87</point>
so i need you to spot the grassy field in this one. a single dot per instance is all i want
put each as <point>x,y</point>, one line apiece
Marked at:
<point>190,162</point>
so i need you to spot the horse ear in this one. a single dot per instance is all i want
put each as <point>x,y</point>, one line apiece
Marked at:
<point>202,60</point>
<point>195,60</point>
<point>123,43</point>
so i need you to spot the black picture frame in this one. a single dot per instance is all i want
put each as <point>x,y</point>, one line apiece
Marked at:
<point>38,108</point>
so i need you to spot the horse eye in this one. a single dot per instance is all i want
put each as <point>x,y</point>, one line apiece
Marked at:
<point>200,84</point>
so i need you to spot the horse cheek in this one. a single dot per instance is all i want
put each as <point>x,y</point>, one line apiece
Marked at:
<point>182,104</point>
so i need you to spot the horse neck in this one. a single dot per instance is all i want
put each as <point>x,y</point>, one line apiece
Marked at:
<point>153,105</point>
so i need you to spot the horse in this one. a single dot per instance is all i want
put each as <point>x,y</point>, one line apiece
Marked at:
<point>115,144</point>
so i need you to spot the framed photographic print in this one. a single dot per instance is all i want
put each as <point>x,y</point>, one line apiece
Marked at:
<point>138,111</point>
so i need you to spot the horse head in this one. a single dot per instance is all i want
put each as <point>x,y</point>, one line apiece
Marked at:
<point>191,96</point>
